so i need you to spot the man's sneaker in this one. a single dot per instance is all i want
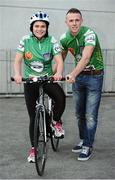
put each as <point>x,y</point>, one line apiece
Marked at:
<point>31,157</point>
<point>57,129</point>
<point>78,147</point>
<point>85,153</point>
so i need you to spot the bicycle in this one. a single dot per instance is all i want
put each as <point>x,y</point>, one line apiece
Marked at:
<point>43,119</point>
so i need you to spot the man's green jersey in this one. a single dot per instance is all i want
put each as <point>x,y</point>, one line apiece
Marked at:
<point>76,44</point>
<point>38,55</point>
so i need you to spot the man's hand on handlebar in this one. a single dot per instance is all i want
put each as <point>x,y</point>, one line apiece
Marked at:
<point>70,78</point>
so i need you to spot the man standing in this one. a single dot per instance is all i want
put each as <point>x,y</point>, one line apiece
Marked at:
<point>86,78</point>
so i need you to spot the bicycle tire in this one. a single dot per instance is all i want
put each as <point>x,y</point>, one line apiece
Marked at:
<point>49,119</point>
<point>54,141</point>
<point>39,142</point>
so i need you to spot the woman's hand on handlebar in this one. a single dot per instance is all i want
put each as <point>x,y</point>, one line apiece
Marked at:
<point>57,76</point>
<point>18,79</point>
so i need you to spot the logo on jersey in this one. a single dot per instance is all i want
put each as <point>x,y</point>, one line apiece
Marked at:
<point>57,48</point>
<point>89,68</point>
<point>37,66</point>
<point>71,50</point>
<point>21,47</point>
<point>47,56</point>
<point>90,38</point>
<point>28,55</point>
<point>78,57</point>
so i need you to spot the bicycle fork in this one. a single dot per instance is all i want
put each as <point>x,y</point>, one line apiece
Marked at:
<point>41,107</point>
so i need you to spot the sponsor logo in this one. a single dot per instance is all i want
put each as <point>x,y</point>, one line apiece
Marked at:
<point>28,55</point>
<point>37,66</point>
<point>57,48</point>
<point>47,56</point>
<point>21,46</point>
<point>71,50</point>
<point>90,38</point>
<point>78,57</point>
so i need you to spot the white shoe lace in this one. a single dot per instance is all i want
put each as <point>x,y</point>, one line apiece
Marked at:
<point>85,150</point>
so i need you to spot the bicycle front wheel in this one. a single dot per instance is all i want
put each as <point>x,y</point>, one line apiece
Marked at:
<point>40,142</point>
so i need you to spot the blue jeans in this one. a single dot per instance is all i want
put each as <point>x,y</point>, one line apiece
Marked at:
<point>87,95</point>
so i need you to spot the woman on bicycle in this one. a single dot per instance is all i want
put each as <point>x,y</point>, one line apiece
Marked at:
<point>38,50</point>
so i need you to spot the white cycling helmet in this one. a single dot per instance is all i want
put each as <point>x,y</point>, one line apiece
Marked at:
<point>39,16</point>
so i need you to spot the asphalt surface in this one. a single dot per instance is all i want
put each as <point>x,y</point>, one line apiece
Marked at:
<point>14,144</point>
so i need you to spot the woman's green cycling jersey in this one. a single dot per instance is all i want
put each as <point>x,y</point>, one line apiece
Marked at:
<point>38,55</point>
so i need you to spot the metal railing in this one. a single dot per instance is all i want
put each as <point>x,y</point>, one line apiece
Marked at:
<point>9,88</point>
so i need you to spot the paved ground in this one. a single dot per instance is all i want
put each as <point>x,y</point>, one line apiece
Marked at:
<point>14,145</point>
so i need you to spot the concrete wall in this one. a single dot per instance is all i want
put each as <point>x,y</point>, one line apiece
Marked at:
<point>15,15</point>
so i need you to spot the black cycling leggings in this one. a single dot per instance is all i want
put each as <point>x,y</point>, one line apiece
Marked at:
<point>54,91</point>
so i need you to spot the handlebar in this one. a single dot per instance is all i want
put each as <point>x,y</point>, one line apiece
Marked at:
<point>40,79</point>
<point>67,77</point>
<point>23,79</point>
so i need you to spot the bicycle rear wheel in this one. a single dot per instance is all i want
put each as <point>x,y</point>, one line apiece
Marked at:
<point>40,142</point>
<point>49,118</point>
<point>54,141</point>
